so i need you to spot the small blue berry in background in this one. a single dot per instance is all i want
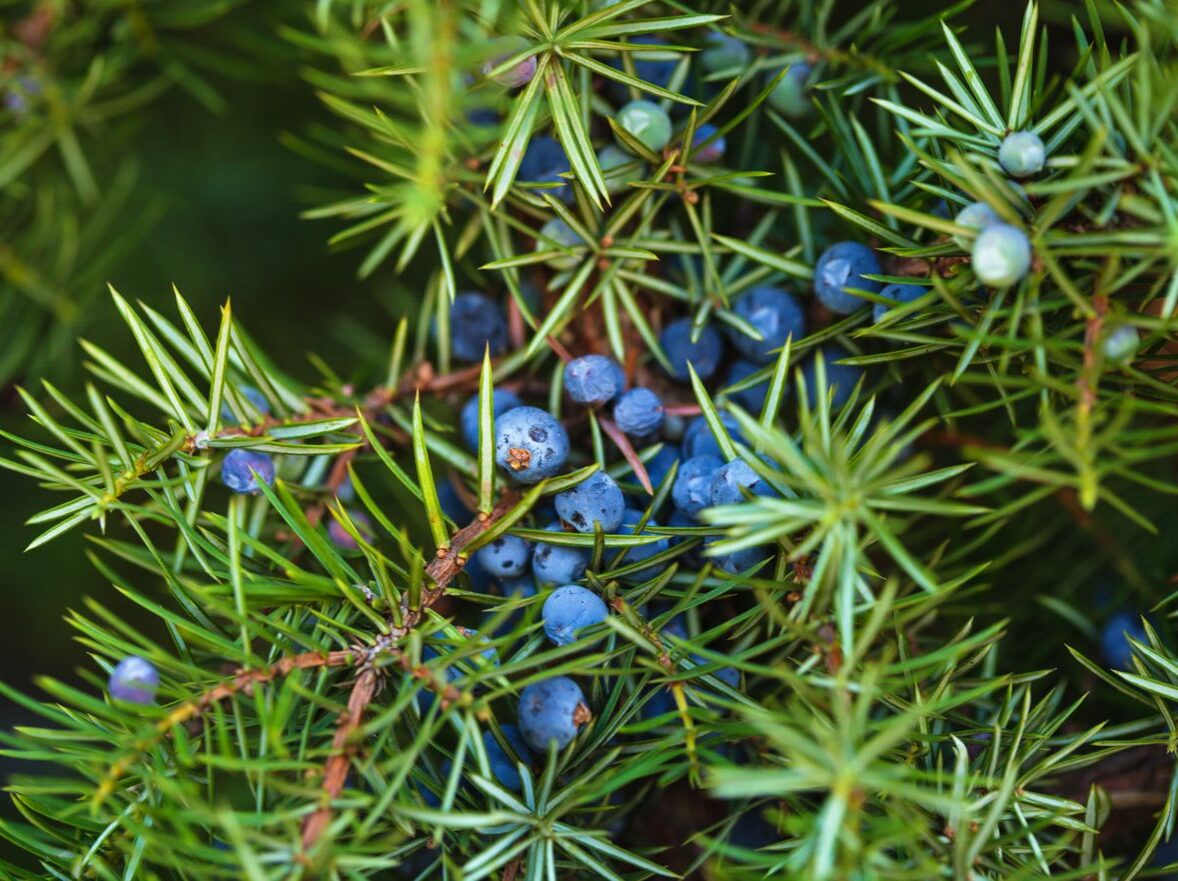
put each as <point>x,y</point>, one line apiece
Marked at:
<point>776,316</point>
<point>551,711</point>
<point>841,267</point>
<point>545,162</point>
<point>256,399</point>
<point>557,233</point>
<point>842,378</point>
<point>736,561</point>
<point>703,354</point>
<point>731,478</point>
<point>639,412</point>
<point>452,504</point>
<point>619,168</point>
<point>468,419</point>
<point>660,464</point>
<point>898,294</point>
<point>976,215</point>
<point>481,581</point>
<point>134,680</point>
<point>641,553</point>
<point>693,557</point>
<point>791,95</point>
<point>530,444</point>
<point>1115,635</point>
<point>503,766</point>
<point>724,52</point>
<point>558,564</point>
<point>568,609</point>
<point>655,71</point>
<point>518,74</point>
<point>341,538</point>
<point>646,122</point>
<point>594,379</point>
<point>476,322</point>
<point>660,703</point>
<point>711,151</point>
<point>1121,345</point>
<point>1001,255</point>
<point>1022,154</point>
<point>505,557</point>
<point>698,440</point>
<point>595,501</point>
<point>692,491</point>
<point>242,469</point>
<point>730,676</point>
<point>752,398</point>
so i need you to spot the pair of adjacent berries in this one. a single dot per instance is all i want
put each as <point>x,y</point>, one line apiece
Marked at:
<point>724,53</point>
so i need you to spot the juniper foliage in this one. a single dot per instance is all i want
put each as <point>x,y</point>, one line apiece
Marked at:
<point>325,704</point>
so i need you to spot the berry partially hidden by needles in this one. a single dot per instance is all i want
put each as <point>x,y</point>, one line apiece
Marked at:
<point>568,609</point>
<point>1121,345</point>
<point>646,122</point>
<point>530,444</point>
<point>703,353</point>
<point>505,557</point>
<point>706,146</point>
<point>556,234</point>
<point>976,215</point>
<point>476,322</point>
<point>551,711</point>
<point>724,52</point>
<point>731,479</point>
<point>898,294</point>
<point>595,501</point>
<point>639,412</point>
<point>1114,639</point>
<point>594,379</point>
<point>134,680</point>
<point>619,168</point>
<point>558,564</point>
<point>519,74</point>
<point>840,269</point>
<point>733,562</point>
<point>1001,255</point>
<point>341,538</point>
<point>242,469</point>
<point>641,553</point>
<point>660,464</point>
<point>468,419</point>
<point>692,491</point>
<point>1022,154</point>
<point>503,765</point>
<point>751,398</point>
<point>775,315</point>
<point>791,95</point>
<point>698,439</point>
<point>256,399</point>
<point>840,378</point>
<point>545,162</point>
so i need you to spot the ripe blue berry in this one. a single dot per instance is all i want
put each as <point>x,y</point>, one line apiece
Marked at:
<point>646,122</point>
<point>1001,255</point>
<point>660,464</point>
<point>898,294</point>
<point>551,711</point>
<point>557,234</point>
<point>976,215</point>
<point>503,764</point>
<point>568,609</point>
<point>593,379</point>
<point>703,354</point>
<point>545,162</point>
<point>1022,154</point>
<point>639,412</point>
<point>736,561</point>
<point>619,168</point>
<point>1121,345</point>
<point>558,564</point>
<point>730,676</point>
<point>468,419</point>
<point>256,399</point>
<point>530,444</point>
<point>476,321</point>
<point>775,314</point>
<point>1114,639</point>
<point>840,378</point>
<point>791,95</point>
<point>517,75</point>
<point>692,491</point>
<point>134,680</point>
<point>641,553</point>
<point>452,504</point>
<point>341,538</point>
<point>242,469</point>
<point>656,71</point>
<point>724,52</point>
<point>706,146</point>
<point>730,479</point>
<point>505,557</point>
<point>595,501</point>
<point>751,398</point>
<point>841,267</point>
<point>698,440</point>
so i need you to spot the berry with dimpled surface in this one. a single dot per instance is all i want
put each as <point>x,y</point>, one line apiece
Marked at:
<point>568,609</point>
<point>468,419</point>
<point>551,711</point>
<point>242,469</point>
<point>530,444</point>
<point>839,377</point>
<point>1001,255</point>
<point>698,439</point>
<point>640,553</point>
<point>724,52</point>
<point>791,95</point>
<point>775,315</point>
<point>1022,154</point>
<point>731,479</point>
<point>706,146</point>
<point>505,557</point>
<point>646,122</point>
<point>340,536</point>
<point>899,294</point>
<point>703,353</point>
<point>639,412</point>
<point>503,764</point>
<point>692,491</point>
<point>594,379</point>
<point>558,564</point>
<point>134,680</point>
<point>595,501</point>
<point>842,267</point>
<point>476,322</point>
<point>545,162</point>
